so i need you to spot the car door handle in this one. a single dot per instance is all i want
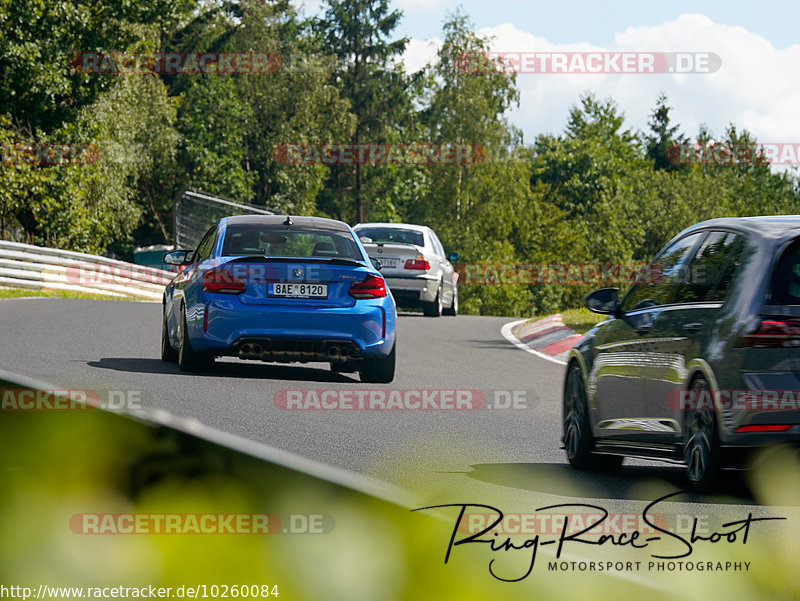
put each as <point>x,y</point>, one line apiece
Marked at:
<point>694,326</point>
<point>644,328</point>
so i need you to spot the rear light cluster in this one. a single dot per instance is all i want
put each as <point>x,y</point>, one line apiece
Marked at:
<point>764,428</point>
<point>372,286</point>
<point>418,264</point>
<point>772,332</point>
<point>222,282</point>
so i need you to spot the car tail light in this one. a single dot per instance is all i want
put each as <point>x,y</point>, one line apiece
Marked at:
<point>222,282</point>
<point>418,264</point>
<point>772,332</point>
<point>372,286</point>
<point>764,428</point>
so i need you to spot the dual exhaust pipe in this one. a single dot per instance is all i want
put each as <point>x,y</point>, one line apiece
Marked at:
<point>334,352</point>
<point>252,349</point>
<point>341,353</point>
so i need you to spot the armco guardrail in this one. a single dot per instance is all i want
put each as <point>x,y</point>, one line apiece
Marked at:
<point>39,268</point>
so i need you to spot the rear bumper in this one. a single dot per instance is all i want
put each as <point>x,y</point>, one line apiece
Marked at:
<point>756,440</point>
<point>294,333</point>
<point>741,455</point>
<point>414,289</point>
<point>775,402</point>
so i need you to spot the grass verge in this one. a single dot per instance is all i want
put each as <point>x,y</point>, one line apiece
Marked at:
<point>581,320</point>
<point>22,293</point>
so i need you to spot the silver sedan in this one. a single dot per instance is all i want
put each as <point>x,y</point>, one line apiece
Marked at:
<point>414,264</point>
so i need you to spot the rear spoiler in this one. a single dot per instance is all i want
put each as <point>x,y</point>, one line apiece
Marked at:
<point>321,260</point>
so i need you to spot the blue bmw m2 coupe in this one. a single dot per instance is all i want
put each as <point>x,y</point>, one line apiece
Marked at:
<point>280,289</point>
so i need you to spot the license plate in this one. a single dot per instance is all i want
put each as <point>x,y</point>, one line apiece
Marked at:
<point>387,262</point>
<point>298,290</point>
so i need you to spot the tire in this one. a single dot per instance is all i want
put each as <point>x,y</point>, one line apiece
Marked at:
<point>453,308</point>
<point>168,353</point>
<point>378,371</point>
<point>434,309</point>
<point>578,439</point>
<point>701,452</point>
<point>344,367</point>
<point>190,360</point>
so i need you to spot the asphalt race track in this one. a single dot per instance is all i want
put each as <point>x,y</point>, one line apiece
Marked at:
<point>493,454</point>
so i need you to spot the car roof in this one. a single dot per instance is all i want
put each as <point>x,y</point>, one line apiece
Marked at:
<point>765,224</point>
<point>769,229</point>
<point>408,226</point>
<point>318,223</point>
<point>766,227</point>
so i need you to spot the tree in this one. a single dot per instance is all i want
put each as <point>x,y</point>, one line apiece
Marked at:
<point>39,87</point>
<point>368,74</point>
<point>465,108</point>
<point>478,206</point>
<point>663,139</point>
<point>214,122</point>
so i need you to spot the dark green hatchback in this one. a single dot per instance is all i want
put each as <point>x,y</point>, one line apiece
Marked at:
<point>699,364</point>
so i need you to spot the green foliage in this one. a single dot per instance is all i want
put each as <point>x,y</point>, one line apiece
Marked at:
<point>213,121</point>
<point>38,38</point>
<point>369,76</point>
<point>596,193</point>
<point>663,136</point>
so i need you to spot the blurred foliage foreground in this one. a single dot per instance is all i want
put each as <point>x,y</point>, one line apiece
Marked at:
<point>56,465</point>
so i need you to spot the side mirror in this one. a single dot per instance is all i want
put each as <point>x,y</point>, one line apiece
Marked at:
<point>376,264</point>
<point>453,257</point>
<point>604,301</point>
<point>176,257</point>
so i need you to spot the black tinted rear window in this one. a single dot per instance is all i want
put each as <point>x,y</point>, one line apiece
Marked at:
<point>786,279</point>
<point>281,241</point>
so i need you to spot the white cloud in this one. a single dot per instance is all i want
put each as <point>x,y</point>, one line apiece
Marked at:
<point>757,86</point>
<point>419,53</point>
<point>310,7</point>
<point>423,5</point>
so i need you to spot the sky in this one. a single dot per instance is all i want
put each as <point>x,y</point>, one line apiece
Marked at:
<point>756,86</point>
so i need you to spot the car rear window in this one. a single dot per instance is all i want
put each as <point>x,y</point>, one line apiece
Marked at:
<point>280,241</point>
<point>391,234</point>
<point>786,278</point>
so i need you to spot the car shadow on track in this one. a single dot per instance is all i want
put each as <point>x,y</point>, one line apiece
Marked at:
<point>225,369</point>
<point>631,482</point>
